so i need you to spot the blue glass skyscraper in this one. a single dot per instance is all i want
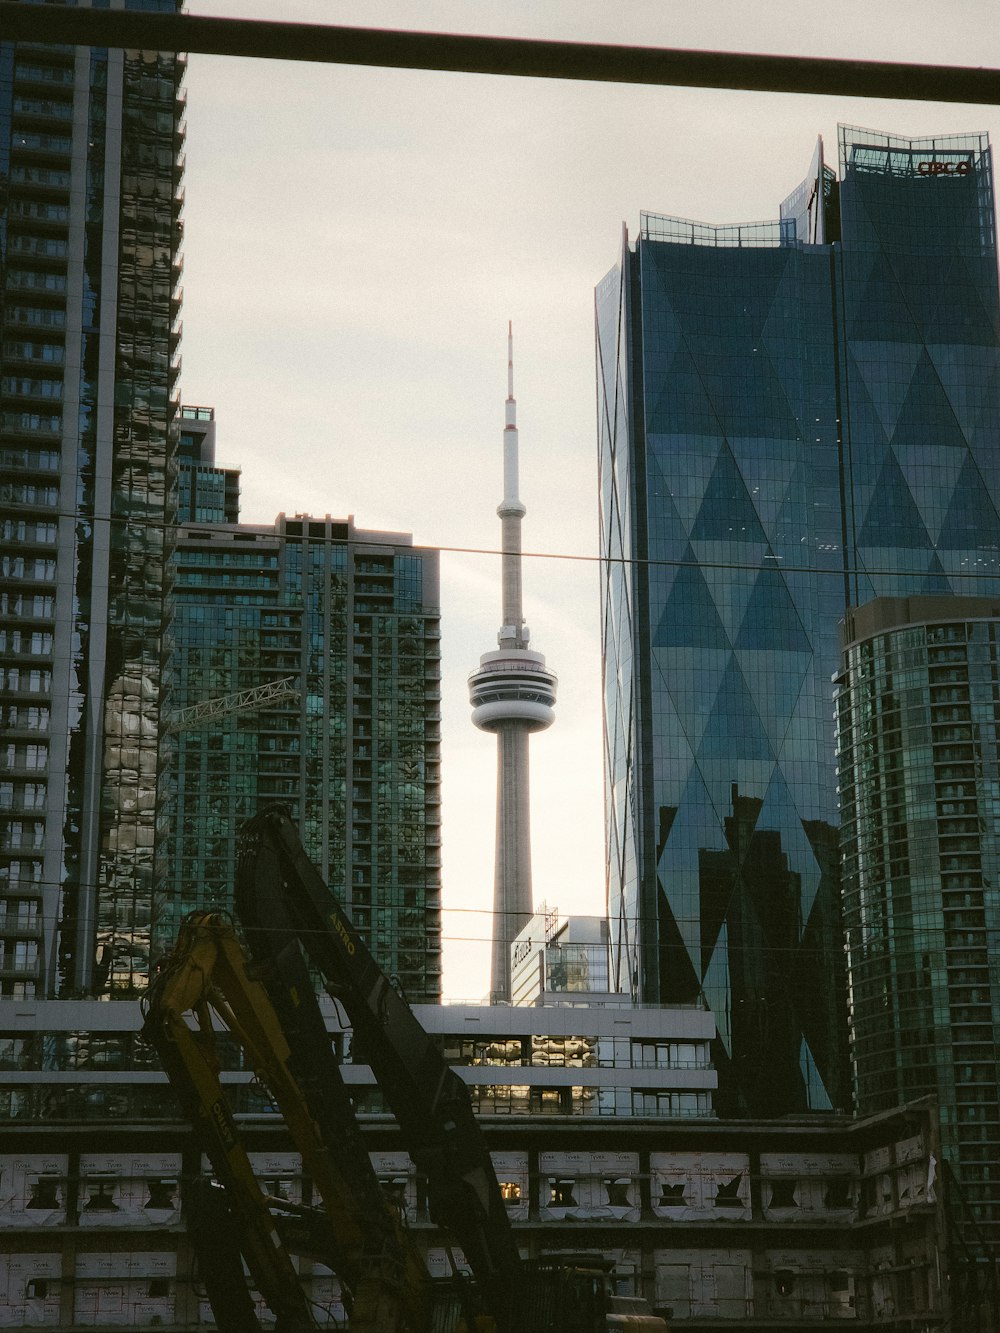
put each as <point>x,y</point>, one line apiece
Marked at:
<point>794,417</point>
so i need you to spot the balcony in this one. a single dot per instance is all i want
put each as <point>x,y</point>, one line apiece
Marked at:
<point>41,77</point>
<point>12,924</point>
<point>19,969</point>
<point>31,143</point>
<point>41,111</point>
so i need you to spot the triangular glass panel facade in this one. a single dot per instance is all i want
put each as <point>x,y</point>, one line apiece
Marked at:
<point>689,616</point>
<point>892,517</point>
<point>727,512</point>
<point>771,622</point>
<point>972,520</point>
<point>926,412</point>
<point>812,426</point>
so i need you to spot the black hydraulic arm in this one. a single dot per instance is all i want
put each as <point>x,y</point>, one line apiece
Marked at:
<point>214,1234</point>
<point>282,901</point>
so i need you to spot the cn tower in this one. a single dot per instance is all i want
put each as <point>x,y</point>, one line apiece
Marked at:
<point>512,694</point>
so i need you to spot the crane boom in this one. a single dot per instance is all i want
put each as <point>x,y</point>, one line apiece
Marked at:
<point>243,701</point>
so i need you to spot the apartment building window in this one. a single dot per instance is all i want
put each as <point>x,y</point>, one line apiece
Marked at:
<point>561,1193</point>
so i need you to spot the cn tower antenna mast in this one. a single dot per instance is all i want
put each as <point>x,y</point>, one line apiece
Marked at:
<point>512,694</point>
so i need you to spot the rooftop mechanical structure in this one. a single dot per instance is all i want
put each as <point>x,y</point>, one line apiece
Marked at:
<point>512,694</point>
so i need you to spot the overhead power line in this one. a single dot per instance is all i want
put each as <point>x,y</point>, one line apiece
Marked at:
<point>521,57</point>
<point>193,532</point>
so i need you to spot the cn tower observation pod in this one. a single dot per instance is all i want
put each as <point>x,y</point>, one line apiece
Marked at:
<point>512,685</point>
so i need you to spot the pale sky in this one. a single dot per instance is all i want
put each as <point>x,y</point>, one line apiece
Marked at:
<point>355,243</point>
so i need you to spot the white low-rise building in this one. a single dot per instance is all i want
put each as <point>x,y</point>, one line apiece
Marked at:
<point>563,960</point>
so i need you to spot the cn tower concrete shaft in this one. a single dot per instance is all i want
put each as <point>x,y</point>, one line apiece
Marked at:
<point>512,899</point>
<point>512,694</point>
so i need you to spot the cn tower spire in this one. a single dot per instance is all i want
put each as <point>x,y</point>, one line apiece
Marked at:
<point>512,694</point>
<point>513,631</point>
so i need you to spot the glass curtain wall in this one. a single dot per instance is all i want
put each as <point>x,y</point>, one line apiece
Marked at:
<point>793,417</point>
<point>90,163</point>
<point>351,621</point>
<point>918,724</point>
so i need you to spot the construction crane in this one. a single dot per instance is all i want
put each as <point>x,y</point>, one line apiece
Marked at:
<point>244,701</point>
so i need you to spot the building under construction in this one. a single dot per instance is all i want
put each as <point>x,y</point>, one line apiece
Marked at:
<point>721,1225</point>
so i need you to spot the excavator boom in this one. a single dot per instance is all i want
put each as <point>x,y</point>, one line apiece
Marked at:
<point>260,987</point>
<point>357,1232</point>
<point>281,900</point>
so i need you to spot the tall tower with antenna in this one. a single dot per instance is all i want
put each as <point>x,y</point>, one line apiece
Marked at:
<point>512,694</point>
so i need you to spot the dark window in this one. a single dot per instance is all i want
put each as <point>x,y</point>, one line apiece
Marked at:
<point>101,1198</point>
<point>784,1282</point>
<point>562,1195</point>
<point>395,1191</point>
<point>728,1194</point>
<point>161,1193</point>
<point>618,1192</point>
<point>44,1193</point>
<point>838,1193</point>
<point>783,1194</point>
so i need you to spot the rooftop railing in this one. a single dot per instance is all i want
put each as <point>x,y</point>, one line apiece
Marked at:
<point>749,235</point>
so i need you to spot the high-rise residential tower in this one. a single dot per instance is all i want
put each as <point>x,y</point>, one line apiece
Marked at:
<point>794,417</point>
<point>90,168</point>
<point>306,670</point>
<point>512,694</point>
<point>918,725</point>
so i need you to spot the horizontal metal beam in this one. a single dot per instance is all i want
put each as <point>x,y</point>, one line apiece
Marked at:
<point>596,62</point>
<point>246,701</point>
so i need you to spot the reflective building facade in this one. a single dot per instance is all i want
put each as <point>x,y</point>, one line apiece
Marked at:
<point>90,203</point>
<point>349,621</point>
<point>794,417</point>
<point>918,718</point>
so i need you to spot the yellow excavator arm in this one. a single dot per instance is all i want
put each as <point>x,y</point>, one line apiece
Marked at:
<point>357,1232</point>
<point>260,988</point>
